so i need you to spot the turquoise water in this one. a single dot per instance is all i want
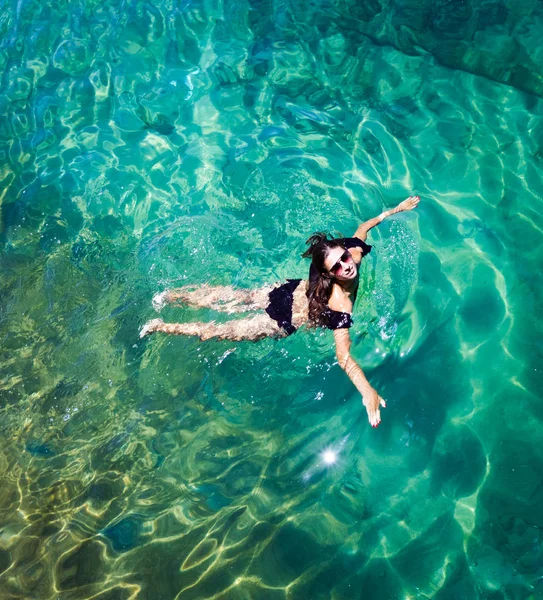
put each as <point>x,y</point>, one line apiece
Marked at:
<point>145,146</point>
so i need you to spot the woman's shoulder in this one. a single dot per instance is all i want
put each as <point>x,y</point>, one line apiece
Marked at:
<point>354,242</point>
<point>340,300</point>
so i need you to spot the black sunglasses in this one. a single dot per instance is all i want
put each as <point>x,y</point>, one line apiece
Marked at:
<point>345,257</point>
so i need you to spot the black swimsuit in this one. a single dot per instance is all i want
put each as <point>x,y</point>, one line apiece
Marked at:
<point>280,306</point>
<point>281,298</point>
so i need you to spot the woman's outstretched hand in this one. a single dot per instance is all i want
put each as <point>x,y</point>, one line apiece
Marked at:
<point>408,204</point>
<point>372,401</point>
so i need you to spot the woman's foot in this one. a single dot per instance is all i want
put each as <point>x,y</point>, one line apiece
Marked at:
<point>151,327</point>
<point>160,300</point>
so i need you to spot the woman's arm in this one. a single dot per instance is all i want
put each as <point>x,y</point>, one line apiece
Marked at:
<point>370,398</point>
<point>408,204</point>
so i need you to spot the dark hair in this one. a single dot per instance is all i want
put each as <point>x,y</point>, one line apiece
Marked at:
<point>321,281</point>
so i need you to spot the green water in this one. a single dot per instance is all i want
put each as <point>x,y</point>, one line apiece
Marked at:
<point>145,146</point>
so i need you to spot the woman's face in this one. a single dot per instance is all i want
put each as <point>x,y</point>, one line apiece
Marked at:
<point>340,264</point>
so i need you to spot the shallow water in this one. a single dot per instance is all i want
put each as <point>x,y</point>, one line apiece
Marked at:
<point>145,146</point>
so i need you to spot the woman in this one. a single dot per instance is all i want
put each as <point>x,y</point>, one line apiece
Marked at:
<point>325,300</point>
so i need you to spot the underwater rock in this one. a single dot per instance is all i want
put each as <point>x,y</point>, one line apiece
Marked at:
<point>125,534</point>
<point>81,566</point>
<point>5,560</point>
<point>459,463</point>
<point>459,34</point>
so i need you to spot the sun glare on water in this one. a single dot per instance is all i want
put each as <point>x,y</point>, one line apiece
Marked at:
<point>329,457</point>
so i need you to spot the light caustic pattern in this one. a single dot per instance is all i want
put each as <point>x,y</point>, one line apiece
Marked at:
<point>146,146</point>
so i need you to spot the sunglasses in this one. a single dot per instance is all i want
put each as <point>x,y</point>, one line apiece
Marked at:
<point>344,258</point>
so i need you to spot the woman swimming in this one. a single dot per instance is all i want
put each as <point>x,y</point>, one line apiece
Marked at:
<point>326,299</point>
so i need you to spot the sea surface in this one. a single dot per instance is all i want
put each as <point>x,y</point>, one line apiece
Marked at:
<point>145,146</point>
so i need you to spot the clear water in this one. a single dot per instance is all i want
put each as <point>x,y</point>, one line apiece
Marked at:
<point>145,146</point>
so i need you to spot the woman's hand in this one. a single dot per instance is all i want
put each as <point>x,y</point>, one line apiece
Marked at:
<point>408,204</point>
<point>372,401</point>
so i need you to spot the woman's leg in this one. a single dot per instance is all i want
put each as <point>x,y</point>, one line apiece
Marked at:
<point>226,299</point>
<point>252,328</point>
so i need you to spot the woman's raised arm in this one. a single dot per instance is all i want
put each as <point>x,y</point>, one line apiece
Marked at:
<point>370,398</point>
<point>408,204</point>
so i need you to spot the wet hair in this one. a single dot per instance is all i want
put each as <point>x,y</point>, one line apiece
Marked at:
<point>321,281</point>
